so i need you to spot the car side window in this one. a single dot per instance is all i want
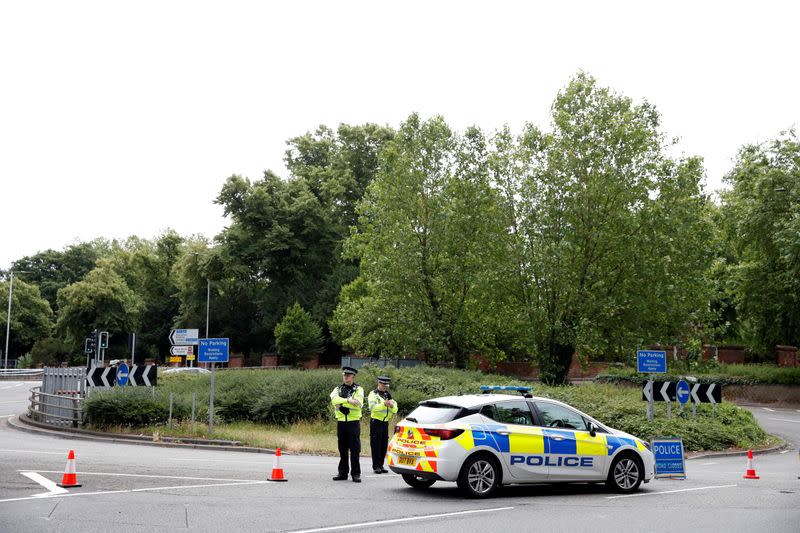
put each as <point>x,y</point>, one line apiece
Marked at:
<point>516,412</point>
<point>488,411</point>
<point>558,416</point>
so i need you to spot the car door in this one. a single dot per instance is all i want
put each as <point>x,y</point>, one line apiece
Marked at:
<point>571,452</point>
<point>521,441</point>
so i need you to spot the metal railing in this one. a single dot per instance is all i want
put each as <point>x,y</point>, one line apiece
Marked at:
<point>64,408</point>
<point>21,373</point>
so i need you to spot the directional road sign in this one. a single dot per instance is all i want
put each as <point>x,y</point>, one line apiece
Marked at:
<point>122,375</point>
<point>651,362</point>
<point>669,458</point>
<point>706,393</point>
<point>682,391</point>
<point>99,376</point>
<point>143,376</point>
<point>213,351</point>
<point>183,336</point>
<point>181,350</point>
<point>661,391</point>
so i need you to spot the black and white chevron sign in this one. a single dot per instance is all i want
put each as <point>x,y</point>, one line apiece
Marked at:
<point>101,376</point>
<point>142,376</point>
<point>664,391</point>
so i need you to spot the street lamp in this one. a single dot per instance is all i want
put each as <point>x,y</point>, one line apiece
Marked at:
<point>8,316</point>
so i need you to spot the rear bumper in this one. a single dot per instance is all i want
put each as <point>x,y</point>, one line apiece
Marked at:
<point>423,475</point>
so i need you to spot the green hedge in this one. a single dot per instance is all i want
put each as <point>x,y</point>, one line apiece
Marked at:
<point>286,396</point>
<point>722,374</point>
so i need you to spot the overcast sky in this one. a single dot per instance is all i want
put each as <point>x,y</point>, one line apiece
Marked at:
<point>121,118</point>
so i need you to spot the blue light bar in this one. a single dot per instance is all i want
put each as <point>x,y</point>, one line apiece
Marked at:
<point>505,387</point>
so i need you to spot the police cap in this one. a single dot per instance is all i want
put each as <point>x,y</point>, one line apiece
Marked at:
<point>349,370</point>
<point>384,380</point>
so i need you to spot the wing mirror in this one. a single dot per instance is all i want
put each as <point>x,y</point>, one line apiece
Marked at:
<point>592,429</point>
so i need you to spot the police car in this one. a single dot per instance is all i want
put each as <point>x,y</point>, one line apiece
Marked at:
<point>483,441</point>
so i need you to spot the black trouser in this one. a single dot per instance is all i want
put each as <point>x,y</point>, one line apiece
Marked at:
<point>378,441</point>
<point>349,434</point>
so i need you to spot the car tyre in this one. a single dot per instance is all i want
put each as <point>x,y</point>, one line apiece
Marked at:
<point>479,476</point>
<point>418,482</point>
<point>626,474</point>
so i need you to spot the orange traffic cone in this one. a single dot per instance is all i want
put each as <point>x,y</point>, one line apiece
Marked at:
<point>751,472</point>
<point>277,471</point>
<point>69,479</point>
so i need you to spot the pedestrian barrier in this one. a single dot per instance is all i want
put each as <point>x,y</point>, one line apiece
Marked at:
<point>70,478</point>
<point>277,470</point>
<point>751,471</point>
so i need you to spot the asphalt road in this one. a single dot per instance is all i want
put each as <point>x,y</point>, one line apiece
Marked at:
<point>142,488</point>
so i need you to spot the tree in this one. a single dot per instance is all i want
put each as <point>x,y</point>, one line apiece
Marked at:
<point>297,336</point>
<point>102,300</point>
<point>610,230</point>
<point>52,270</point>
<point>51,351</point>
<point>761,222</point>
<point>146,266</point>
<point>427,245</point>
<point>30,317</point>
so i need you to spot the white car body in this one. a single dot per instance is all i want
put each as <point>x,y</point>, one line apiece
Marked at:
<point>532,440</point>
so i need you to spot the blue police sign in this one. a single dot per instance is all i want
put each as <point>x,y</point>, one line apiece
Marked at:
<point>651,362</point>
<point>122,374</point>
<point>669,458</point>
<point>213,351</point>
<point>682,391</point>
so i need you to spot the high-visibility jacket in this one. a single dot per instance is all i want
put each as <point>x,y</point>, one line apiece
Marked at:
<point>378,410</point>
<point>353,411</point>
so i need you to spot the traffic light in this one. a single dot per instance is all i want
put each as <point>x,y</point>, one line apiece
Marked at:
<point>92,341</point>
<point>87,346</point>
<point>103,339</point>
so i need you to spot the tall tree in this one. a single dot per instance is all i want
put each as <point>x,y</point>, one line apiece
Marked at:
<point>761,219</point>
<point>426,240</point>
<point>102,300</point>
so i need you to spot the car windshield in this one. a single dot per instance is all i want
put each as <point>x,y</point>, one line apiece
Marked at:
<point>434,413</point>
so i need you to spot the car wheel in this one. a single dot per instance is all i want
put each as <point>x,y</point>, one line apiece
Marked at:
<point>626,474</point>
<point>418,482</point>
<point>479,477</point>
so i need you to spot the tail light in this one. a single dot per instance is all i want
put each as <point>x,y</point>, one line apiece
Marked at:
<point>444,434</point>
<point>398,429</point>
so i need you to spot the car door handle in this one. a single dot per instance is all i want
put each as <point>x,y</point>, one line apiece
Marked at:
<point>557,438</point>
<point>503,432</point>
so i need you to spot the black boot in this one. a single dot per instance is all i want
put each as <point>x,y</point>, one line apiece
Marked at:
<point>340,477</point>
<point>356,479</point>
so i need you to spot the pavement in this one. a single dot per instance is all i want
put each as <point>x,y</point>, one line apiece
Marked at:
<point>129,487</point>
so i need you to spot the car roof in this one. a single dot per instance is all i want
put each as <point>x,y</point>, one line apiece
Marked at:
<point>473,400</point>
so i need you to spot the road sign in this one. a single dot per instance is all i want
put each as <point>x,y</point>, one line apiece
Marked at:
<point>190,357</point>
<point>175,359</point>
<point>669,458</point>
<point>661,391</point>
<point>651,362</point>
<point>184,336</point>
<point>122,375</point>
<point>180,350</point>
<point>682,391</point>
<point>99,376</point>
<point>213,351</point>
<point>706,393</point>
<point>143,376</point>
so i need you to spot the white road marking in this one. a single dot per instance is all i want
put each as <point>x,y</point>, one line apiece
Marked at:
<point>669,491</point>
<point>768,409</point>
<point>51,487</point>
<point>30,451</point>
<point>143,475</point>
<point>6,416</point>
<point>16,401</point>
<point>408,519</point>
<point>784,451</point>
<point>69,495</point>
<point>709,464</point>
<point>785,420</point>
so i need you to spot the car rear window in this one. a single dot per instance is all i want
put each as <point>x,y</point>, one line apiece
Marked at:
<point>434,413</point>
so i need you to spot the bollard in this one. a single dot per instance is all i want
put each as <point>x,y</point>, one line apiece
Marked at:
<point>193,398</point>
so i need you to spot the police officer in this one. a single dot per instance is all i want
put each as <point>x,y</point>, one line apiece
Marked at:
<point>347,400</point>
<point>381,407</point>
